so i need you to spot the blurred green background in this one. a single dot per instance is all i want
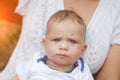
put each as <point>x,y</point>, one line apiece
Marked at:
<point>10,28</point>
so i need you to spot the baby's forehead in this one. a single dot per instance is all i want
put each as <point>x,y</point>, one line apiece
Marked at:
<point>64,27</point>
<point>66,24</point>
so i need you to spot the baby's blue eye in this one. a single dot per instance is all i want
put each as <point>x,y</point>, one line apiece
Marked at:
<point>56,40</point>
<point>73,41</point>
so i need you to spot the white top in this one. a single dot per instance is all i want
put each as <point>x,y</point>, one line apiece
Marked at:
<point>36,69</point>
<point>102,31</point>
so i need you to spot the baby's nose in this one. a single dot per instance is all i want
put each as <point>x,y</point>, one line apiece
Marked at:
<point>64,46</point>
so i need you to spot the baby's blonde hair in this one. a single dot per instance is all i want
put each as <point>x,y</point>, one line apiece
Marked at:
<point>65,15</point>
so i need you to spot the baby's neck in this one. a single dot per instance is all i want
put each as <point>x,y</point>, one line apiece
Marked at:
<point>59,67</point>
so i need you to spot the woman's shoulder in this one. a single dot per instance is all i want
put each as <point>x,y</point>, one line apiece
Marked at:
<point>116,5</point>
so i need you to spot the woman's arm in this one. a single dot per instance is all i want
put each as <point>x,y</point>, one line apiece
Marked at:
<point>111,67</point>
<point>15,78</point>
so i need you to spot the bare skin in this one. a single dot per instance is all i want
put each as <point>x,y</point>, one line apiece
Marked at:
<point>15,78</point>
<point>84,8</point>
<point>111,67</point>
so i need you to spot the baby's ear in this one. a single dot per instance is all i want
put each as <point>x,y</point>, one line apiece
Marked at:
<point>43,40</point>
<point>84,48</point>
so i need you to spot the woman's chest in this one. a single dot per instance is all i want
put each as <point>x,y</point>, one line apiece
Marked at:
<point>83,8</point>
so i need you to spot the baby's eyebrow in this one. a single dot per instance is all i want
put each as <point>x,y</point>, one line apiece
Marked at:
<point>76,38</point>
<point>54,36</point>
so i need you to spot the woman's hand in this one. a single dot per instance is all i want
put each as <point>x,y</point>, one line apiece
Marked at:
<point>15,78</point>
<point>111,67</point>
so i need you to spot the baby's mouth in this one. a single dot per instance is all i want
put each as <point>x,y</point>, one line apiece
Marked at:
<point>63,55</point>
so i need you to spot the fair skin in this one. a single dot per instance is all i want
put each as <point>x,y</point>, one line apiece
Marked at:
<point>64,46</point>
<point>86,8</point>
<point>111,68</point>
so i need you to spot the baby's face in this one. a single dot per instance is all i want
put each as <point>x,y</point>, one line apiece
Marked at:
<point>63,43</point>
